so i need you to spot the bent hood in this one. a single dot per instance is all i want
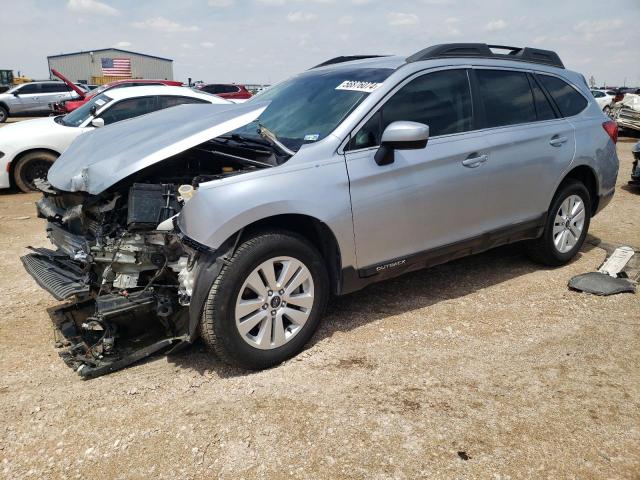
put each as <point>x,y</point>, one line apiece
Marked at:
<point>103,157</point>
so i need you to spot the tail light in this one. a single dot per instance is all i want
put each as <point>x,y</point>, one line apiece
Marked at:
<point>611,128</point>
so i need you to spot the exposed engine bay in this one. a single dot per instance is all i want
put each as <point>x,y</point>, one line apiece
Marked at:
<point>119,261</point>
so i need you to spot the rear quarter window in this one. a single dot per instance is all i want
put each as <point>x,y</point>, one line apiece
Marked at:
<point>567,98</point>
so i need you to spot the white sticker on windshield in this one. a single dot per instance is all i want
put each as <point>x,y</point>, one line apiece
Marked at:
<point>358,86</point>
<point>100,102</point>
<point>311,138</point>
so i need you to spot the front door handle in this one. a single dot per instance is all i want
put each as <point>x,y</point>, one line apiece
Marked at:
<point>557,141</point>
<point>474,160</point>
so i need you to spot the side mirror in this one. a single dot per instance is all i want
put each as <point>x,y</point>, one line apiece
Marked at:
<point>401,135</point>
<point>97,122</point>
<point>16,94</point>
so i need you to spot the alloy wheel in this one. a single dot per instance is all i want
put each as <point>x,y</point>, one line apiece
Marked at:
<point>274,302</point>
<point>568,223</point>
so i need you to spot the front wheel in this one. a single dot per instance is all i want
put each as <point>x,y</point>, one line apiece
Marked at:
<point>266,302</point>
<point>30,167</point>
<point>4,114</point>
<point>566,226</point>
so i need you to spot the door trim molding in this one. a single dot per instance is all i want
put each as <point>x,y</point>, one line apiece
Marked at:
<point>353,279</point>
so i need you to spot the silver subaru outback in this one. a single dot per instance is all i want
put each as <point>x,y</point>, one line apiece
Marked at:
<point>237,223</point>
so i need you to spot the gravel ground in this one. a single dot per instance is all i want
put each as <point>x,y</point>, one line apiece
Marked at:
<point>487,367</point>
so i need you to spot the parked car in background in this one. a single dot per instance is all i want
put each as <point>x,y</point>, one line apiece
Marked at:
<point>70,105</point>
<point>240,225</point>
<point>225,90</point>
<point>605,99</point>
<point>635,167</point>
<point>627,112</point>
<point>28,148</point>
<point>33,98</point>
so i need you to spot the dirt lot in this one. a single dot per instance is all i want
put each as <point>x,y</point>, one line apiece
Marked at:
<point>487,367</point>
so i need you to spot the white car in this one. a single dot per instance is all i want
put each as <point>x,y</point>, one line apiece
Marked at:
<point>28,148</point>
<point>605,99</point>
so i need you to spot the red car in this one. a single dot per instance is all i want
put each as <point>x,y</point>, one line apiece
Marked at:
<point>71,105</point>
<point>230,91</point>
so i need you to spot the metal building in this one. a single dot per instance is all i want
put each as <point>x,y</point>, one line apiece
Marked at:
<point>107,64</point>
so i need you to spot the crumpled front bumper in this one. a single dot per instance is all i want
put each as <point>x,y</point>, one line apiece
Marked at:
<point>56,273</point>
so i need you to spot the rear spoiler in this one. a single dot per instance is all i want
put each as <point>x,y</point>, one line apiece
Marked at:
<point>72,85</point>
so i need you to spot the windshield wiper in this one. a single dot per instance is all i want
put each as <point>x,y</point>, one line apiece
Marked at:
<point>269,135</point>
<point>245,140</point>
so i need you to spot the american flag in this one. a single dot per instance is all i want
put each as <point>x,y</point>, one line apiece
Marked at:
<point>116,67</point>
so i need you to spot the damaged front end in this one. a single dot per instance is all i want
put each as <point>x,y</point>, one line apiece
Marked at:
<point>120,272</point>
<point>125,271</point>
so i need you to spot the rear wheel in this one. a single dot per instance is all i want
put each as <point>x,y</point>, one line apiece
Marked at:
<point>566,226</point>
<point>30,167</point>
<point>266,302</point>
<point>4,114</point>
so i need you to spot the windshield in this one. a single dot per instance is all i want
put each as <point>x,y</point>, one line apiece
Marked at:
<point>308,107</point>
<point>80,115</point>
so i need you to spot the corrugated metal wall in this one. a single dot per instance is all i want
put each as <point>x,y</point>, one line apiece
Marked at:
<point>84,66</point>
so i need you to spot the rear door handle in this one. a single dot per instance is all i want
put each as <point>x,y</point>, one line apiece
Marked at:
<point>557,141</point>
<point>474,160</point>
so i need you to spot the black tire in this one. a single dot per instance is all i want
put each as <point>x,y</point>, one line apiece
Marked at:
<point>4,114</point>
<point>218,326</point>
<point>543,249</point>
<point>31,166</point>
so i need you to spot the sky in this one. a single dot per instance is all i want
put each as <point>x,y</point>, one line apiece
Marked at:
<point>265,41</point>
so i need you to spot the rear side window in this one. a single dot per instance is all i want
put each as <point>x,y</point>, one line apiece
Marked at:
<point>441,100</point>
<point>506,96</point>
<point>569,101</point>
<point>30,88</point>
<point>54,88</point>
<point>543,107</point>
<point>172,101</point>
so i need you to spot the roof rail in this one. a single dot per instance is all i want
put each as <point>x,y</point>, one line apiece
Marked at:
<point>345,58</point>
<point>482,50</point>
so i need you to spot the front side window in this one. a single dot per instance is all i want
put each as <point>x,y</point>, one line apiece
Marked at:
<point>597,94</point>
<point>441,100</point>
<point>214,89</point>
<point>30,88</point>
<point>506,96</point>
<point>132,107</point>
<point>569,101</point>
